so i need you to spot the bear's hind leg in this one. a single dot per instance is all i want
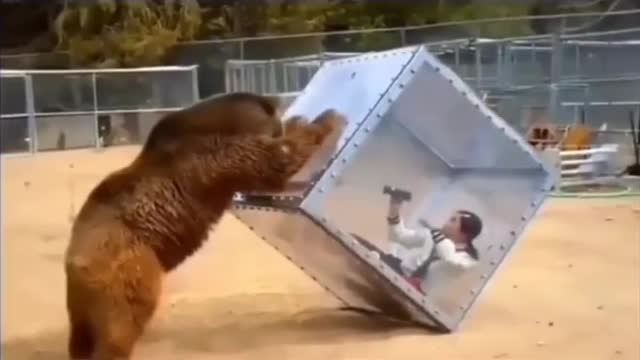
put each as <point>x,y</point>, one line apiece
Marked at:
<point>127,307</point>
<point>81,338</point>
<point>81,341</point>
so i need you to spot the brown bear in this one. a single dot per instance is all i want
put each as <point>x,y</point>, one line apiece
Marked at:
<point>144,220</point>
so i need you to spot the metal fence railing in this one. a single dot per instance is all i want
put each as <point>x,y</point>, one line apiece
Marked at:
<point>519,72</point>
<point>212,55</point>
<point>515,73</point>
<point>65,109</point>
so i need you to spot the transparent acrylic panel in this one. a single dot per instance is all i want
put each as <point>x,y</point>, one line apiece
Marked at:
<point>12,95</point>
<point>445,114</point>
<point>351,86</point>
<point>329,262</point>
<point>62,92</point>
<point>392,156</point>
<point>144,90</point>
<point>427,136</point>
<point>506,202</point>
<point>14,135</point>
<point>61,132</point>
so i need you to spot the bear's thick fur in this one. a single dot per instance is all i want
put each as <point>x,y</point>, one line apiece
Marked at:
<point>145,219</point>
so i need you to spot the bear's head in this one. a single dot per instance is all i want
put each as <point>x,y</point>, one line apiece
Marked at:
<point>225,115</point>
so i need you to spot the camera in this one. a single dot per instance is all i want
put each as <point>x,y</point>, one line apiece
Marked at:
<point>397,194</point>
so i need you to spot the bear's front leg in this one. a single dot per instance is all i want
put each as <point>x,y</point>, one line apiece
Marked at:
<point>282,158</point>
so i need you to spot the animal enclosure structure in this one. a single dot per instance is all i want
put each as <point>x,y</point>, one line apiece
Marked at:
<point>413,124</point>
<point>49,110</point>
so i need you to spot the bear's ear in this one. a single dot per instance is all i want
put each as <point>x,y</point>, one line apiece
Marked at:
<point>272,104</point>
<point>269,104</point>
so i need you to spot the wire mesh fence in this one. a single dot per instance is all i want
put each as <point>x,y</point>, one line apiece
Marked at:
<point>66,109</point>
<point>568,75</point>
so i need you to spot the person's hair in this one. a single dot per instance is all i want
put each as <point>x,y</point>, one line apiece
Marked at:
<point>471,227</point>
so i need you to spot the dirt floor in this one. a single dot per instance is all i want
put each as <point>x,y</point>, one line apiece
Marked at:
<point>570,292</point>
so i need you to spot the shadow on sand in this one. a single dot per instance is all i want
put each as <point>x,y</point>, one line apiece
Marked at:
<point>216,327</point>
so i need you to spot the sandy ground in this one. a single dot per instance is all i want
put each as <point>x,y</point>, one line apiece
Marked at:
<point>570,292</point>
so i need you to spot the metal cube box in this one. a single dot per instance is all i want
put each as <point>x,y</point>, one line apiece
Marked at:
<point>415,125</point>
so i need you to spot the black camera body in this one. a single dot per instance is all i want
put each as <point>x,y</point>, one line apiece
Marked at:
<point>397,194</point>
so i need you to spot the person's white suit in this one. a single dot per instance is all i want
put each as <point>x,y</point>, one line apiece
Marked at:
<point>447,265</point>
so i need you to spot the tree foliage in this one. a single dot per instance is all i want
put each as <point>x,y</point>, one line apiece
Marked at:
<point>114,33</point>
<point>109,33</point>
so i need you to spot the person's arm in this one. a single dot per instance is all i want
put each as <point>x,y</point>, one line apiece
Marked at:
<point>401,234</point>
<point>446,250</point>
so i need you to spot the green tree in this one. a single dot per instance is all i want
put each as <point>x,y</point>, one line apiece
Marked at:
<point>109,33</point>
<point>498,9</point>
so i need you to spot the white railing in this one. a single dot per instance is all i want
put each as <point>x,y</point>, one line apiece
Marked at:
<point>587,167</point>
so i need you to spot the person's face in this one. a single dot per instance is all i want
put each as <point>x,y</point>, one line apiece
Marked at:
<point>452,228</point>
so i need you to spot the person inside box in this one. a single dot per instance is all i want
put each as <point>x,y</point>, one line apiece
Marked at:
<point>442,253</point>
